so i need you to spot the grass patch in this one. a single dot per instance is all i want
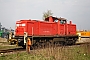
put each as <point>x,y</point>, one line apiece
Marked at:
<point>57,53</point>
<point>24,56</point>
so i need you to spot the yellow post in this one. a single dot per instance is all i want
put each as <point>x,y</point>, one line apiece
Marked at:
<point>79,34</point>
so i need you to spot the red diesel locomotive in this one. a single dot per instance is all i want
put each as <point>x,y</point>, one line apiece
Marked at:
<point>52,30</point>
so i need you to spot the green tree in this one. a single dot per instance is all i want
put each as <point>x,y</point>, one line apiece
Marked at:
<point>47,14</point>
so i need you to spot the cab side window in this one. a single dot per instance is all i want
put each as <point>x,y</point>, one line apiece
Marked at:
<point>56,20</point>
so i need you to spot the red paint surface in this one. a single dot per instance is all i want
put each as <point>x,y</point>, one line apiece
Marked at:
<point>38,28</point>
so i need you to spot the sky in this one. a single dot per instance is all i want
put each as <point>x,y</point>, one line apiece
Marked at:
<point>78,11</point>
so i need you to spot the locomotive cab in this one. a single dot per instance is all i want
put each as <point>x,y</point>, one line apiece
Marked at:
<point>55,19</point>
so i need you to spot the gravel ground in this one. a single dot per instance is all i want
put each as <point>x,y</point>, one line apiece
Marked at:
<point>3,39</point>
<point>84,40</point>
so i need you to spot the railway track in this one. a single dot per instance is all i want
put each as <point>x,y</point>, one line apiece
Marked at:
<point>8,51</point>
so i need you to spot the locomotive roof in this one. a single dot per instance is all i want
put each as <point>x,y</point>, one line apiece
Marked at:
<point>55,18</point>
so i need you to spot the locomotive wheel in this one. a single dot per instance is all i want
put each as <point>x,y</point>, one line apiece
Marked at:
<point>36,45</point>
<point>24,46</point>
<point>59,43</point>
<point>62,43</point>
<point>74,41</point>
<point>43,45</point>
<point>47,44</point>
<point>70,42</point>
<point>39,45</point>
